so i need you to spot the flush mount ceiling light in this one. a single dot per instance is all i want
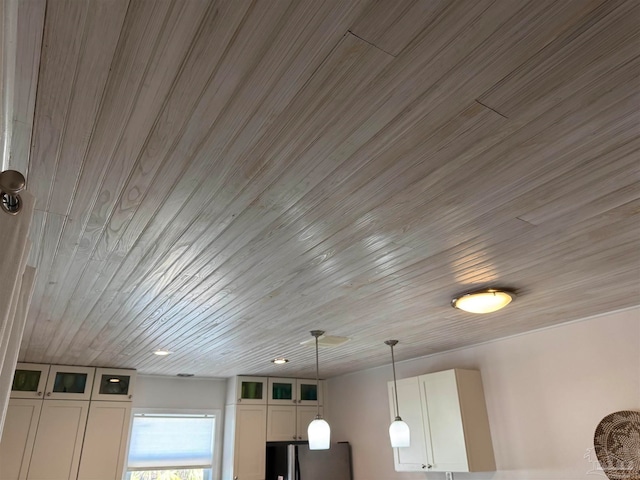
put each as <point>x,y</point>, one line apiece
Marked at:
<point>162,353</point>
<point>279,361</point>
<point>319,432</point>
<point>398,430</point>
<point>483,301</point>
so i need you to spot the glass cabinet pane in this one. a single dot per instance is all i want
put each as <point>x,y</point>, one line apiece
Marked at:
<point>251,390</point>
<point>70,382</point>
<point>29,380</point>
<point>26,380</point>
<point>282,391</point>
<point>309,392</point>
<point>114,384</point>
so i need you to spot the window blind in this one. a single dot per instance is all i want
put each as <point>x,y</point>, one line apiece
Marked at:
<point>166,441</point>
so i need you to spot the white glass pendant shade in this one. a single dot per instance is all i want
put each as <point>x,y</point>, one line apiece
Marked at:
<point>319,434</point>
<point>399,434</point>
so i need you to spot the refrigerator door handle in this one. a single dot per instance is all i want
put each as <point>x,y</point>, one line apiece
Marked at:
<point>291,462</point>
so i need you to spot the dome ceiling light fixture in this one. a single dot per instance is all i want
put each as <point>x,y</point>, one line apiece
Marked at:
<point>162,353</point>
<point>280,361</point>
<point>484,301</point>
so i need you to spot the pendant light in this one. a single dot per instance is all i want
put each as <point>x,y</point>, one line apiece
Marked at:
<point>399,430</point>
<point>319,432</point>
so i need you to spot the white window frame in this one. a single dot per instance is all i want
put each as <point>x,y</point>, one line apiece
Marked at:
<point>216,470</point>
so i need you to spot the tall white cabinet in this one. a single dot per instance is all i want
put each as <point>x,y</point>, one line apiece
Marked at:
<point>260,410</point>
<point>58,443</point>
<point>447,418</point>
<point>245,437</point>
<point>66,423</point>
<point>104,451</point>
<point>245,431</point>
<point>20,428</point>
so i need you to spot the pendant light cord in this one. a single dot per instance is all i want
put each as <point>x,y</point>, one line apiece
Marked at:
<point>395,384</point>
<point>317,377</point>
<point>317,334</point>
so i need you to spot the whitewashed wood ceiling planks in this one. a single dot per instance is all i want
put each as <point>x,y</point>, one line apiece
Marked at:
<point>217,178</point>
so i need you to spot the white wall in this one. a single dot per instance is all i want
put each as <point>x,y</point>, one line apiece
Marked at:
<point>546,391</point>
<point>155,391</point>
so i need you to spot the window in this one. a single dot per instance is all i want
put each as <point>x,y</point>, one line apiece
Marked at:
<point>171,446</point>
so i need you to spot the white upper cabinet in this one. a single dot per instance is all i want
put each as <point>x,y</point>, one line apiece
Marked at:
<point>447,417</point>
<point>413,458</point>
<point>248,391</point>
<point>115,385</point>
<point>245,390</point>
<point>460,439</point>
<point>29,380</point>
<point>300,391</point>
<point>69,383</point>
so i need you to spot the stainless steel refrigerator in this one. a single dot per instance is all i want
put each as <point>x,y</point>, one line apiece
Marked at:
<point>294,461</point>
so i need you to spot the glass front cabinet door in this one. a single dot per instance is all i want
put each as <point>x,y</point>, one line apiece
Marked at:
<point>69,383</point>
<point>29,380</point>
<point>251,390</point>
<point>282,391</point>
<point>113,384</point>
<point>308,392</point>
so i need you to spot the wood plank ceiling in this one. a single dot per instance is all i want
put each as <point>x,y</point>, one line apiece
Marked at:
<point>217,178</point>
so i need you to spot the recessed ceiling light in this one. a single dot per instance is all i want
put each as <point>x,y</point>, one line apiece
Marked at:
<point>162,353</point>
<point>483,301</point>
<point>114,380</point>
<point>279,361</point>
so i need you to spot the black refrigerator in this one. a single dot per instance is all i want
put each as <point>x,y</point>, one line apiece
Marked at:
<point>295,461</point>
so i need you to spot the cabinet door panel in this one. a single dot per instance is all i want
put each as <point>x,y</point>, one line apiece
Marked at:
<point>413,458</point>
<point>442,411</point>
<point>105,441</point>
<point>56,453</point>
<point>18,437</point>
<point>281,423</point>
<point>305,416</point>
<point>113,385</point>
<point>252,390</point>
<point>251,429</point>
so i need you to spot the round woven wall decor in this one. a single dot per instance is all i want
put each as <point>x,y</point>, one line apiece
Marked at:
<point>617,445</point>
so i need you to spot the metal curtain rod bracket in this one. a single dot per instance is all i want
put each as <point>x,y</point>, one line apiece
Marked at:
<point>11,184</point>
